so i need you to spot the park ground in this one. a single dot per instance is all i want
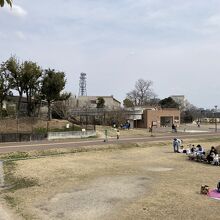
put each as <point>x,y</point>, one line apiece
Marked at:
<point>121,181</point>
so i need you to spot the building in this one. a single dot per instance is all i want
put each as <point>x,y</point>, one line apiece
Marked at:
<point>11,102</point>
<point>141,117</point>
<point>91,102</point>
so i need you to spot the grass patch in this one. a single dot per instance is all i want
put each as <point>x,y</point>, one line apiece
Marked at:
<point>13,182</point>
<point>213,139</point>
<point>15,204</point>
<point>49,153</point>
<point>93,137</point>
<point>44,130</point>
<point>40,130</point>
<point>10,157</point>
<point>15,156</point>
<point>11,201</point>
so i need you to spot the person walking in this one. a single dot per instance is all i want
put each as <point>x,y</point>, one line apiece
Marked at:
<point>174,128</point>
<point>118,134</point>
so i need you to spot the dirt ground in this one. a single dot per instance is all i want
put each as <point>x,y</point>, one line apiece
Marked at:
<point>135,183</point>
<point>190,128</point>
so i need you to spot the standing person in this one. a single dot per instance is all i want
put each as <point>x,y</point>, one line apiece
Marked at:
<point>174,128</point>
<point>129,125</point>
<point>118,134</point>
<point>175,145</point>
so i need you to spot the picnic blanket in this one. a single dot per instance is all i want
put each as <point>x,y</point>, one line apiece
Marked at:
<point>213,193</point>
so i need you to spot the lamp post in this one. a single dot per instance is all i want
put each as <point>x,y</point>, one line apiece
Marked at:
<point>216,118</point>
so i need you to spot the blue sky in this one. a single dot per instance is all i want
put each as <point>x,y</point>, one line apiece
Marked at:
<point>174,43</point>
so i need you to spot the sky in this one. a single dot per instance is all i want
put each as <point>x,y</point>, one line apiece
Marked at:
<point>174,43</point>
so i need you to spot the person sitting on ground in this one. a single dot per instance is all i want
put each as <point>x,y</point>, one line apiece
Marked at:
<point>199,149</point>
<point>212,153</point>
<point>188,150</point>
<point>193,149</point>
<point>218,187</point>
<point>200,153</point>
<point>182,149</point>
<point>192,153</point>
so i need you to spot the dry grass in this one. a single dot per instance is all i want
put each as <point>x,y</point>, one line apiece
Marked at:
<point>123,132</point>
<point>136,183</point>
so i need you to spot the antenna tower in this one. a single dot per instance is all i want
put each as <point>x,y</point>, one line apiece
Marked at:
<point>82,85</point>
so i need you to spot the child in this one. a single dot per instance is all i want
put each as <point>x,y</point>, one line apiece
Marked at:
<point>118,134</point>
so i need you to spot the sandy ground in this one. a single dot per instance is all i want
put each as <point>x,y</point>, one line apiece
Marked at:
<point>137,183</point>
<point>6,214</point>
<point>3,214</point>
<point>112,132</point>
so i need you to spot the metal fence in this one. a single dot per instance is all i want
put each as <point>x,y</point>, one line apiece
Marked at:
<point>22,137</point>
<point>19,137</point>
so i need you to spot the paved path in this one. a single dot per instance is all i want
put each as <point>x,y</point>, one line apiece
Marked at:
<point>47,145</point>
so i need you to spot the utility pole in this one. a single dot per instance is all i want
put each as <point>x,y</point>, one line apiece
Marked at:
<point>216,129</point>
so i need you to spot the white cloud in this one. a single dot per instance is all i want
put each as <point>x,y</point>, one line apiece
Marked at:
<point>20,35</point>
<point>213,20</point>
<point>132,53</point>
<point>3,36</point>
<point>16,10</point>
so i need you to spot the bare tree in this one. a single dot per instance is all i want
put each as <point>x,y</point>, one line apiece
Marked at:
<point>64,107</point>
<point>142,93</point>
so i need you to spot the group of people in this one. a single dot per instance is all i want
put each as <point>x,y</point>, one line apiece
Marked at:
<point>197,153</point>
<point>126,125</point>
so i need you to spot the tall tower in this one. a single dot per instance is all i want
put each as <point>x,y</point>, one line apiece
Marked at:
<point>82,85</point>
